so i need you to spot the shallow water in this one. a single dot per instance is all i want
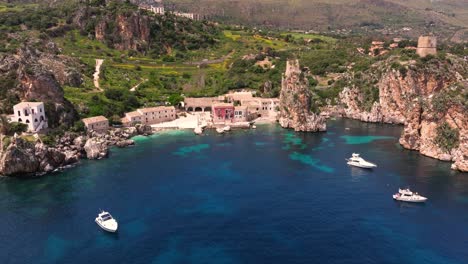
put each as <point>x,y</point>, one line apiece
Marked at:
<point>259,196</point>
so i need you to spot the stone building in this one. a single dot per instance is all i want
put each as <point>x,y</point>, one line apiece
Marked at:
<point>427,45</point>
<point>202,104</point>
<point>99,124</point>
<point>150,115</point>
<point>30,113</point>
<point>155,115</point>
<point>241,114</point>
<point>132,118</point>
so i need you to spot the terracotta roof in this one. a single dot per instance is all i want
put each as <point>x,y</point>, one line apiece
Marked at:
<point>240,107</point>
<point>222,104</point>
<point>154,109</point>
<point>203,101</point>
<point>94,119</point>
<point>133,114</point>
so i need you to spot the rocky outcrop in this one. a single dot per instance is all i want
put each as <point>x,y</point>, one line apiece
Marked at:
<point>19,158</point>
<point>295,102</point>
<point>96,148</point>
<point>130,30</point>
<point>35,74</point>
<point>422,97</point>
<point>22,158</point>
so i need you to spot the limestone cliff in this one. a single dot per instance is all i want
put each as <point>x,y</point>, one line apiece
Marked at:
<point>428,98</point>
<point>129,31</point>
<point>295,102</point>
<point>38,75</point>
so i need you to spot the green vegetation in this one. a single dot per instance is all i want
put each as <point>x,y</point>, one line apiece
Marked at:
<point>447,138</point>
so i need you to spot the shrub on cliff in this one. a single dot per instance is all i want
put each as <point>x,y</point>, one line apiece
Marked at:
<point>18,128</point>
<point>447,137</point>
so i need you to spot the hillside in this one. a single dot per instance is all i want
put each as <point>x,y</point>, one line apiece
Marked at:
<point>444,18</point>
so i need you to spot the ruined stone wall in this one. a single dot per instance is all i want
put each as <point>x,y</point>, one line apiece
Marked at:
<point>427,45</point>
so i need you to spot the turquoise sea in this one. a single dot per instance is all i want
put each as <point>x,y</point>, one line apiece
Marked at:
<point>253,196</point>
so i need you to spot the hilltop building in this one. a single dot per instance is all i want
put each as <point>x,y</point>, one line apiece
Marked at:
<point>30,113</point>
<point>427,45</point>
<point>98,124</point>
<point>158,8</point>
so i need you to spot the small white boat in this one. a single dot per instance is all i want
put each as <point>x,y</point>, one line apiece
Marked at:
<point>107,222</point>
<point>227,128</point>
<point>357,161</point>
<point>406,195</point>
<point>220,130</point>
<point>254,127</point>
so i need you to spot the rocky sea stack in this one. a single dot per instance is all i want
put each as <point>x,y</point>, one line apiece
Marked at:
<point>295,102</point>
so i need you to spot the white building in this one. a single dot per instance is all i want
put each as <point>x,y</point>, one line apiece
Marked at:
<point>158,10</point>
<point>32,114</point>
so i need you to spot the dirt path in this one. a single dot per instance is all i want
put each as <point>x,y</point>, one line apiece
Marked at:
<point>97,72</point>
<point>136,86</point>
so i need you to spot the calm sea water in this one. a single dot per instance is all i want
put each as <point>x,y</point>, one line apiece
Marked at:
<point>259,196</point>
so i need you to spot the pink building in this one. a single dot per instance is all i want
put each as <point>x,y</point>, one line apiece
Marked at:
<point>223,112</point>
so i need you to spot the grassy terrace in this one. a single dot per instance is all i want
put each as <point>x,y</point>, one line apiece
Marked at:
<point>203,72</point>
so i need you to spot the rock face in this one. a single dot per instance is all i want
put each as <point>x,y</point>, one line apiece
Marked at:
<point>35,74</point>
<point>19,158</point>
<point>96,148</point>
<point>22,158</point>
<point>132,31</point>
<point>423,98</point>
<point>295,102</point>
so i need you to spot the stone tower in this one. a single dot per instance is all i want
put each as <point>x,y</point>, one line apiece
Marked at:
<point>295,102</point>
<point>427,45</point>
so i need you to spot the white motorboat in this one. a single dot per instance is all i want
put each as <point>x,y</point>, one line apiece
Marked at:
<point>406,195</point>
<point>357,161</point>
<point>220,130</point>
<point>227,128</point>
<point>107,222</point>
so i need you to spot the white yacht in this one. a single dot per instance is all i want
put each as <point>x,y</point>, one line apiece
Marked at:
<point>227,128</point>
<point>357,161</point>
<point>406,195</point>
<point>220,130</point>
<point>107,222</point>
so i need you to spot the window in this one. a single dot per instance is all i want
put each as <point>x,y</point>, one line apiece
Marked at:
<point>32,111</point>
<point>35,120</point>
<point>27,121</point>
<point>40,110</point>
<point>20,120</point>
<point>19,113</point>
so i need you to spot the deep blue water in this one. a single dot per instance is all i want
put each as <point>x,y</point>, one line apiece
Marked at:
<point>259,196</point>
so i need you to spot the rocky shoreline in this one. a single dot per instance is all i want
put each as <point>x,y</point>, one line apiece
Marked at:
<point>27,159</point>
<point>424,102</point>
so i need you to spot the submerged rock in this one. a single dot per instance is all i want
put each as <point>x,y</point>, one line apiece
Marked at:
<point>295,102</point>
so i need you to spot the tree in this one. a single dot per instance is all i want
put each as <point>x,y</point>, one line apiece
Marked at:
<point>18,128</point>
